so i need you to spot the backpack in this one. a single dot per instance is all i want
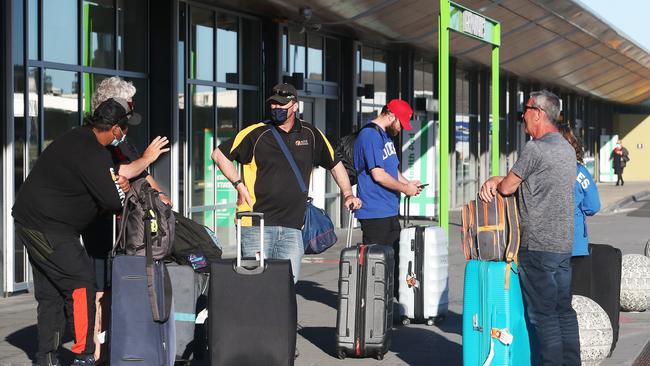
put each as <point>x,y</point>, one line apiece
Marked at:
<point>194,245</point>
<point>491,230</point>
<point>345,151</point>
<point>141,205</point>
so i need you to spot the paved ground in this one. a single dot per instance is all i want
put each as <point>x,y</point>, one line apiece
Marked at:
<point>628,229</point>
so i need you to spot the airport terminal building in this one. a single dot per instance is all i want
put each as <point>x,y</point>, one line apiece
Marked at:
<point>203,69</point>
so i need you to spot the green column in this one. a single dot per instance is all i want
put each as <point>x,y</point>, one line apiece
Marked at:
<point>496,36</point>
<point>443,113</point>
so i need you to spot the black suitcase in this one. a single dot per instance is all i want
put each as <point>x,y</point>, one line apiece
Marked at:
<point>252,314</point>
<point>598,277</point>
<point>189,298</point>
<point>136,339</point>
<point>365,302</point>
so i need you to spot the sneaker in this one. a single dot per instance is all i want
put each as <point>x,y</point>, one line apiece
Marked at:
<point>84,360</point>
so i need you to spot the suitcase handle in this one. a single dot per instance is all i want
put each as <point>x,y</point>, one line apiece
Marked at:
<point>348,240</point>
<point>249,263</point>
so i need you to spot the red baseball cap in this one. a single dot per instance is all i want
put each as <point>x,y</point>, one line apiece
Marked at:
<point>402,111</point>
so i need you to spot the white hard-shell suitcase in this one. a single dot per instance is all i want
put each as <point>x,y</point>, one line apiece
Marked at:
<point>423,274</point>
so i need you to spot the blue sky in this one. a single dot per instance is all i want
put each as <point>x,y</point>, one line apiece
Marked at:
<point>629,16</point>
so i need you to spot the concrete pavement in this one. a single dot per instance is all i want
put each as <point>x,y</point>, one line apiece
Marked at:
<point>412,345</point>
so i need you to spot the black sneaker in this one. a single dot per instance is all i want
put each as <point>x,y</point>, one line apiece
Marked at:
<point>84,360</point>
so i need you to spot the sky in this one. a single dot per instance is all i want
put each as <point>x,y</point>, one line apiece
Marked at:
<point>629,16</point>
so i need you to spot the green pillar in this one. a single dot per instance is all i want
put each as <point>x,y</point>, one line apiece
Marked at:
<point>443,113</point>
<point>496,38</point>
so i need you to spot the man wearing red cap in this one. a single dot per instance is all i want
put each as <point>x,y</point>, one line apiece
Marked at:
<point>379,180</point>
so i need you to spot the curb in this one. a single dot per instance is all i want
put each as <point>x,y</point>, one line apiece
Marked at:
<point>620,204</point>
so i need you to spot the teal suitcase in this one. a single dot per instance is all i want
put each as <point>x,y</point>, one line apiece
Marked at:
<point>494,326</point>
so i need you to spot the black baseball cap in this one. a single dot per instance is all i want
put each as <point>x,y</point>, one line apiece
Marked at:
<point>283,94</point>
<point>116,111</point>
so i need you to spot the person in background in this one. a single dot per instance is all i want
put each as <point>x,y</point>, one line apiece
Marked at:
<point>380,182</point>
<point>620,156</point>
<point>587,199</point>
<point>72,181</point>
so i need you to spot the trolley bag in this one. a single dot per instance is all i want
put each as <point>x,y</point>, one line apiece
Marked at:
<point>136,339</point>
<point>423,273</point>
<point>365,301</point>
<point>252,309</point>
<point>189,297</point>
<point>491,229</point>
<point>598,276</point>
<point>494,325</point>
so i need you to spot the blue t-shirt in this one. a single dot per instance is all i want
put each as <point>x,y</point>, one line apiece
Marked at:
<point>587,204</point>
<point>375,149</point>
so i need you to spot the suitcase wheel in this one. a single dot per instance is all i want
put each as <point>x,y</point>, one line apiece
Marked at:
<point>435,320</point>
<point>380,356</point>
<point>341,354</point>
<point>406,320</point>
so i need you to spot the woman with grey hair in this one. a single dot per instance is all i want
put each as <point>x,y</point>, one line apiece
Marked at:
<point>113,87</point>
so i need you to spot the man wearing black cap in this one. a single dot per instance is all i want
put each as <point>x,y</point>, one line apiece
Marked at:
<point>269,185</point>
<point>72,180</point>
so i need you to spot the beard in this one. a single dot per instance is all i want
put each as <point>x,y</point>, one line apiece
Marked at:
<point>392,130</point>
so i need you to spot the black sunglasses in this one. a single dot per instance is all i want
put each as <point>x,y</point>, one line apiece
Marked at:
<point>283,93</point>
<point>527,107</point>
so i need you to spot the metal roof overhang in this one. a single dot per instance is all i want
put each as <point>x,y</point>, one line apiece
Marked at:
<point>558,42</point>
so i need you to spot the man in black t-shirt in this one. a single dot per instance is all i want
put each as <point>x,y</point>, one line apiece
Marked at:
<point>72,181</point>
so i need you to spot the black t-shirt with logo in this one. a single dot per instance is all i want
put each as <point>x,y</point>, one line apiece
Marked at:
<point>267,174</point>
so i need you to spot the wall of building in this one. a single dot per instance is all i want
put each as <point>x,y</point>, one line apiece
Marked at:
<point>634,130</point>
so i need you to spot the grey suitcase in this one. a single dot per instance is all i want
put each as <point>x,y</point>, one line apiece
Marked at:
<point>365,302</point>
<point>136,339</point>
<point>190,298</point>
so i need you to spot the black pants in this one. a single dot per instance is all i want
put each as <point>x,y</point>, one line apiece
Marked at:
<point>64,279</point>
<point>619,173</point>
<point>384,231</point>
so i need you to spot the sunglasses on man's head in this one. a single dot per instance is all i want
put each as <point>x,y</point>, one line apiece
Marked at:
<point>283,93</point>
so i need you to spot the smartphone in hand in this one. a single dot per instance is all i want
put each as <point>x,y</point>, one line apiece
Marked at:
<point>421,186</point>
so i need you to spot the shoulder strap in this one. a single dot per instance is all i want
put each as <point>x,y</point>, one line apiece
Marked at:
<point>289,158</point>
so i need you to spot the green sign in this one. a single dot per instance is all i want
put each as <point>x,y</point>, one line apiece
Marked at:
<point>419,163</point>
<point>472,24</point>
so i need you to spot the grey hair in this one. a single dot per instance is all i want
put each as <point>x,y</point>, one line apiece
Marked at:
<point>113,87</point>
<point>548,102</point>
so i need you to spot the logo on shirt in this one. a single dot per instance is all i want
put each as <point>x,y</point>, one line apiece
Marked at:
<point>389,149</point>
<point>302,143</point>
<point>584,182</point>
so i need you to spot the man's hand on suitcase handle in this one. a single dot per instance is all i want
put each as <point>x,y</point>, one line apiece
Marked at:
<point>352,202</point>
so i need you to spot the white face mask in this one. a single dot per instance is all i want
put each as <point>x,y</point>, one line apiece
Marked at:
<point>618,146</point>
<point>116,142</point>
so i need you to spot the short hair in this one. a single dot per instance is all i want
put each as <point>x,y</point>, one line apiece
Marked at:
<point>113,87</point>
<point>548,102</point>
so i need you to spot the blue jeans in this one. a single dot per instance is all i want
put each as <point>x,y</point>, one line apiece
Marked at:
<point>546,284</point>
<point>279,243</point>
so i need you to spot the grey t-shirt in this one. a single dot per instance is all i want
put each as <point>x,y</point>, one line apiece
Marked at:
<point>547,167</point>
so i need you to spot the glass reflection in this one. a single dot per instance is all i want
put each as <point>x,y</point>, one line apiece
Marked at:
<point>227,35</point>
<point>315,58</point>
<point>60,104</point>
<point>98,33</point>
<point>132,25</point>
<point>202,45</point>
<point>32,24</point>
<point>32,125</point>
<point>227,124</point>
<point>203,135</point>
<point>60,31</point>
<point>296,51</point>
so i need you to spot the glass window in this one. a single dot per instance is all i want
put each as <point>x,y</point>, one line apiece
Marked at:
<point>98,33</point>
<point>227,34</point>
<point>285,46</point>
<point>202,142</point>
<point>202,46</point>
<point>251,60</point>
<point>132,35</point>
<point>60,104</point>
<point>91,82</point>
<point>251,112</point>
<point>32,123</point>
<point>182,121</point>
<point>315,57</point>
<point>138,135</point>
<point>296,51</point>
<point>332,63</point>
<point>32,19</point>
<point>19,127</point>
<point>227,125</point>
<point>462,138</point>
<point>60,31</point>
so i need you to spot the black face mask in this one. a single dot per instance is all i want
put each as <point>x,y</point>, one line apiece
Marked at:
<point>279,115</point>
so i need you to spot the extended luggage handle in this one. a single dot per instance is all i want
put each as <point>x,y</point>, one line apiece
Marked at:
<point>238,267</point>
<point>407,211</point>
<point>348,239</point>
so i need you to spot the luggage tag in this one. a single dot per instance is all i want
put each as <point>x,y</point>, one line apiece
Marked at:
<point>503,335</point>
<point>201,317</point>
<point>411,281</point>
<point>197,261</point>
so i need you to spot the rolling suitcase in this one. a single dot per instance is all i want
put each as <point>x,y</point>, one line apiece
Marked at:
<point>136,339</point>
<point>423,273</point>
<point>598,277</point>
<point>365,301</point>
<point>190,298</point>
<point>252,309</point>
<point>494,325</point>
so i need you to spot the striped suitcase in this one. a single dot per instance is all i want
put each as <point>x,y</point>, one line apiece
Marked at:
<point>494,326</point>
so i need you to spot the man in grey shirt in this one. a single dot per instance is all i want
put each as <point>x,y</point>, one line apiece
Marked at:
<point>544,179</point>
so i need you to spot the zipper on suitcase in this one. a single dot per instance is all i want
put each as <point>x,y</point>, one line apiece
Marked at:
<point>485,329</point>
<point>419,259</point>
<point>359,329</point>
